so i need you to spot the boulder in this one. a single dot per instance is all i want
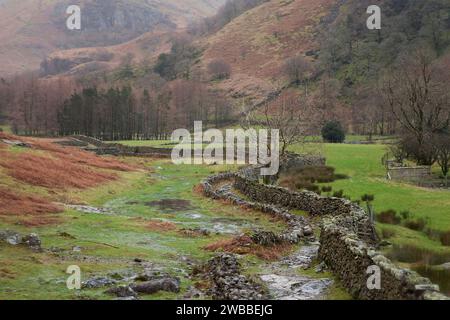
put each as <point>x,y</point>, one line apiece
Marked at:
<point>32,241</point>
<point>154,286</point>
<point>123,292</point>
<point>98,282</point>
<point>13,238</point>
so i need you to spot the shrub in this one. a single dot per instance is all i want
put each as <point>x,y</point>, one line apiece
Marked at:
<point>368,198</point>
<point>405,215</point>
<point>416,224</point>
<point>445,238</point>
<point>388,217</point>
<point>338,194</point>
<point>327,188</point>
<point>333,132</point>
<point>340,176</point>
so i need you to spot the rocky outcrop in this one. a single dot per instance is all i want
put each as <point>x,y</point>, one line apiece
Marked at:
<point>167,284</point>
<point>31,240</point>
<point>109,22</point>
<point>227,281</point>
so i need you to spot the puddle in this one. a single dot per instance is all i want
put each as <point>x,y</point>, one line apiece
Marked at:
<point>171,205</point>
<point>438,275</point>
<point>194,216</point>
<point>427,263</point>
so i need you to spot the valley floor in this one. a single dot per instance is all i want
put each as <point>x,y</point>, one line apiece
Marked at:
<point>149,220</point>
<point>155,219</point>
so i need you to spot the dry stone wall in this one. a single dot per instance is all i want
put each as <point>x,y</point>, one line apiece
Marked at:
<point>120,149</point>
<point>348,239</point>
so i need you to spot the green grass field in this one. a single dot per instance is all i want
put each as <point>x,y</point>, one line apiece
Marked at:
<point>362,163</point>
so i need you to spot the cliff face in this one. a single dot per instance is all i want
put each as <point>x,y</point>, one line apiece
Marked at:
<point>110,22</point>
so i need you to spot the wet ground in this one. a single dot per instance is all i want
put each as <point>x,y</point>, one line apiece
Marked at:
<point>285,283</point>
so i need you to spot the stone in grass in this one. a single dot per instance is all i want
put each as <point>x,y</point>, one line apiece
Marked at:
<point>154,286</point>
<point>320,268</point>
<point>32,241</point>
<point>13,238</point>
<point>123,292</point>
<point>98,282</point>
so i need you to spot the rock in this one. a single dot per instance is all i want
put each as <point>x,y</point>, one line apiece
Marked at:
<point>193,293</point>
<point>76,249</point>
<point>98,282</point>
<point>16,143</point>
<point>266,238</point>
<point>427,287</point>
<point>124,292</point>
<point>154,286</point>
<point>32,241</point>
<point>308,231</point>
<point>321,267</point>
<point>13,238</point>
<point>384,243</point>
<point>445,266</point>
<point>228,282</point>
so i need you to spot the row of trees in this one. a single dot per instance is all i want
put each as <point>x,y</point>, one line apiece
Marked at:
<point>63,107</point>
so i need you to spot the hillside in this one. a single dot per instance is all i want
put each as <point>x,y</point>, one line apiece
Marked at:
<point>257,44</point>
<point>30,30</point>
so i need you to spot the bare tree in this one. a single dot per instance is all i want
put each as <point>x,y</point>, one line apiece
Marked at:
<point>298,71</point>
<point>292,117</point>
<point>418,101</point>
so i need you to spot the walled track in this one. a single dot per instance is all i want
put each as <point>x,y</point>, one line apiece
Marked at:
<point>281,278</point>
<point>348,241</point>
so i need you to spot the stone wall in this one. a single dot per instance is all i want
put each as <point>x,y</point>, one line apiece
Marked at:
<point>349,258</point>
<point>120,149</point>
<point>357,220</point>
<point>409,173</point>
<point>348,239</point>
<point>292,161</point>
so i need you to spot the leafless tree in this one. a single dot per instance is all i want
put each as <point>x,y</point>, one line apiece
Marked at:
<point>299,71</point>
<point>418,101</point>
<point>293,118</point>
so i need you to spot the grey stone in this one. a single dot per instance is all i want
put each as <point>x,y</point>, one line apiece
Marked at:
<point>98,282</point>
<point>154,286</point>
<point>124,292</point>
